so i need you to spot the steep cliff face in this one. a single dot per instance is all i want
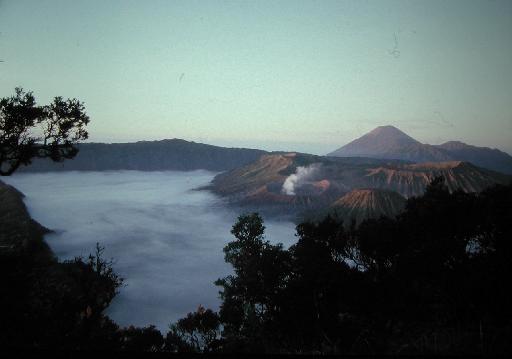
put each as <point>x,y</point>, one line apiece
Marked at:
<point>18,230</point>
<point>360,204</point>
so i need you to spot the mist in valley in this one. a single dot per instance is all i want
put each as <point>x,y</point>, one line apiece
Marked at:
<point>165,236</point>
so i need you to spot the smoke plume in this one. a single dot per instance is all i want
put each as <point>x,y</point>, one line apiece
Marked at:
<point>301,176</point>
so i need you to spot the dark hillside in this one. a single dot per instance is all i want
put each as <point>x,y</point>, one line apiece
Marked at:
<point>175,154</point>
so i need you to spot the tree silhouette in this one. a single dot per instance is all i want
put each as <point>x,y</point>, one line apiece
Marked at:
<point>58,305</point>
<point>197,332</point>
<point>28,130</point>
<point>430,281</point>
<point>251,294</point>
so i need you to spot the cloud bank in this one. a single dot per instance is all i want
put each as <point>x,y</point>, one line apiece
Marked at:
<point>165,238</point>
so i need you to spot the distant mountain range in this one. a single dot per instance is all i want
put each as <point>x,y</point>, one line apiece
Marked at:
<point>175,154</point>
<point>371,176</point>
<point>390,143</point>
<point>384,142</point>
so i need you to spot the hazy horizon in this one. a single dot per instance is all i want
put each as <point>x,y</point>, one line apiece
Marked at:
<point>306,76</point>
<point>316,149</point>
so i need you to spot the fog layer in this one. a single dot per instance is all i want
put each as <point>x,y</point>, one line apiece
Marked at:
<point>166,238</point>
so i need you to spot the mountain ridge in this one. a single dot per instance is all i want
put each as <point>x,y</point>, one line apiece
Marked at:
<point>169,154</point>
<point>388,142</point>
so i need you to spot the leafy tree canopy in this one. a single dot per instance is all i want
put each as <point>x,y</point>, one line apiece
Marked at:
<point>432,280</point>
<point>28,131</point>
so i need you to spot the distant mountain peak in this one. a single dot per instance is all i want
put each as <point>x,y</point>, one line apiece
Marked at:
<point>378,142</point>
<point>388,142</point>
<point>388,130</point>
<point>387,133</point>
<point>390,134</point>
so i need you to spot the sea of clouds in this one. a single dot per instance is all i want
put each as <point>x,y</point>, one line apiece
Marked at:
<point>166,237</point>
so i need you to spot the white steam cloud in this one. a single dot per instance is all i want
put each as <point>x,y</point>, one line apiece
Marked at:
<point>301,176</point>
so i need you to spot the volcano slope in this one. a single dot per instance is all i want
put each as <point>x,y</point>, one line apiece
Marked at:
<point>390,142</point>
<point>297,185</point>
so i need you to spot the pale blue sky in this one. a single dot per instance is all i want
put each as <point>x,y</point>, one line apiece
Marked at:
<point>291,75</point>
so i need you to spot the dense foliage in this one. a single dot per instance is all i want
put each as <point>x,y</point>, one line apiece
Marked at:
<point>55,305</point>
<point>28,130</point>
<point>432,280</point>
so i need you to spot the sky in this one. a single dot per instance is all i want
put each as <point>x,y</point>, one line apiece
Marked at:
<point>307,76</point>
